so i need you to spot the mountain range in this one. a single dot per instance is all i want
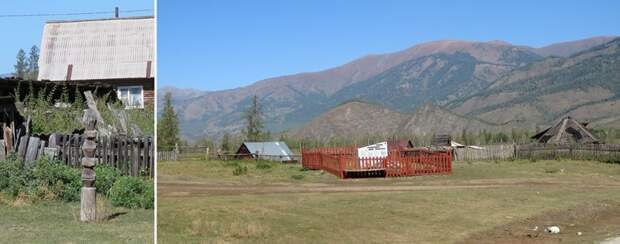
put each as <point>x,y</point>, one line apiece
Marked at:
<point>482,84</point>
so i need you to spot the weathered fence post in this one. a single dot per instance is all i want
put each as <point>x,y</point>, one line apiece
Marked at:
<point>88,204</point>
<point>176,151</point>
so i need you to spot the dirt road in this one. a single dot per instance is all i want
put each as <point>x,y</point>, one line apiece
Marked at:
<point>185,189</point>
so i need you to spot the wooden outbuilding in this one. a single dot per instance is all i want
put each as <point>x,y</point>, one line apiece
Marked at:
<point>272,151</point>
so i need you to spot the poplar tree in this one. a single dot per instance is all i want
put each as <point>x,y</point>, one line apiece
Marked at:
<point>32,70</point>
<point>168,126</point>
<point>254,121</point>
<point>21,65</point>
<point>225,147</point>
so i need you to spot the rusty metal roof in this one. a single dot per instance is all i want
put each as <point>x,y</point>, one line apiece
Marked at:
<point>98,49</point>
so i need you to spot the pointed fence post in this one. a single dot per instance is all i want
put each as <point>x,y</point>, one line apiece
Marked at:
<point>88,204</point>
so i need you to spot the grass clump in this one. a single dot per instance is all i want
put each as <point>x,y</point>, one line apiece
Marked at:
<point>263,165</point>
<point>240,170</point>
<point>132,192</point>
<point>297,177</point>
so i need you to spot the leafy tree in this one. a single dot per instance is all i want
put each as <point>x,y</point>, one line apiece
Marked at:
<point>225,147</point>
<point>254,121</point>
<point>32,71</point>
<point>168,126</point>
<point>21,65</point>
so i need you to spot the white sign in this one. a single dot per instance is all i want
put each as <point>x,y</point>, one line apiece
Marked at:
<point>374,150</point>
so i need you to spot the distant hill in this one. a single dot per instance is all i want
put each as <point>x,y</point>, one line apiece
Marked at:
<point>352,119</point>
<point>585,85</point>
<point>357,119</point>
<point>565,49</point>
<point>456,74</point>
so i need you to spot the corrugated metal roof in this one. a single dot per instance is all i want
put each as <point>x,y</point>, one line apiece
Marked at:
<point>97,49</point>
<point>274,150</point>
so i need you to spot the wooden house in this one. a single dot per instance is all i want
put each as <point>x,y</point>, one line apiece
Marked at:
<point>118,52</point>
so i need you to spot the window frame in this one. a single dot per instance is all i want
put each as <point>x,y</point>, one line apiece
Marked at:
<point>128,88</point>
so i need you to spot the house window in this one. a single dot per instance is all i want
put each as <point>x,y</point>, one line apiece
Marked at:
<point>131,96</point>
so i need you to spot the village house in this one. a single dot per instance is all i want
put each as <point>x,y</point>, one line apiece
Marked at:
<point>117,52</point>
<point>273,151</point>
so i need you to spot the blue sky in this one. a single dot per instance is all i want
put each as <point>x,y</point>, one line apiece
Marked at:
<point>23,32</point>
<point>214,45</point>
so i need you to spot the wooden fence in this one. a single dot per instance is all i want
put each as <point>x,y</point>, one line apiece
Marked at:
<point>536,151</point>
<point>132,156</point>
<point>167,156</point>
<point>599,152</point>
<point>489,152</point>
<point>343,163</point>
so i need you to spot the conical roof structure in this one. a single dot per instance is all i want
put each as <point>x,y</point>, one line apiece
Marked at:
<point>567,131</point>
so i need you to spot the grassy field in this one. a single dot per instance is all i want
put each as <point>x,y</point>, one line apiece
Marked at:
<point>58,222</point>
<point>481,202</point>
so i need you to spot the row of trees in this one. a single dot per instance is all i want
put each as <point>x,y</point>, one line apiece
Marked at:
<point>27,67</point>
<point>168,128</point>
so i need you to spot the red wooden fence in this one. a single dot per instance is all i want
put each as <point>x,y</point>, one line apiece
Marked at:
<point>344,162</point>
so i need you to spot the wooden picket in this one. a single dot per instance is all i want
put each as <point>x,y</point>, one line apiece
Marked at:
<point>131,156</point>
<point>487,152</point>
<point>343,163</point>
<point>599,152</point>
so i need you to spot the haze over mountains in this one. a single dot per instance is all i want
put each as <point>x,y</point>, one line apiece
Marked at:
<point>484,84</point>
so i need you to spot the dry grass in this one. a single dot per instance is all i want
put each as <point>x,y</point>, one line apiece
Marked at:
<point>440,216</point>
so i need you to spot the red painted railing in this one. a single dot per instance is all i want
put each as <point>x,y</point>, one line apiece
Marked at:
<point>340,161</point>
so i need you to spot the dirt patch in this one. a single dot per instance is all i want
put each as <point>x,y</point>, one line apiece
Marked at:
<point>596,222</point>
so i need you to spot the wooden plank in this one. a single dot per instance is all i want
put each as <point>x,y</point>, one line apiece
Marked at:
<point>52,141</point>
<point>32,151</point>
<point>23,146</point>
<point>151,157</point>
<point>145,153</point>
<point>132,160</point>
<point>2,151</point>
<point>41,149</point>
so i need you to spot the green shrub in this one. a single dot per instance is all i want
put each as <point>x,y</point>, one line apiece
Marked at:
<point>13,177</point>
<point>148,198</point>
<point>8,169</point>
<point>106,176</point>
<point>62,180</point>
<point>612,161</point>
<point>263,165</point>
<point>240,170</point>
<point>132,192</point>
